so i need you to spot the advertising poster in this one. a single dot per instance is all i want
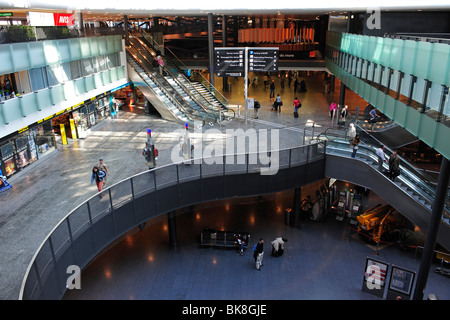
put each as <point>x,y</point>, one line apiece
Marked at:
<point>375,277</point>
<point>401,283</point>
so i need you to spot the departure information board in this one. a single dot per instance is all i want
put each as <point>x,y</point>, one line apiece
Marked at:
<point>229,62</point>
<point>263,59</point>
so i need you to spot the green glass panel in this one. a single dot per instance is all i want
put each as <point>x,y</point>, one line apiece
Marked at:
<point>98,81</point>
<point>29,105</point>
<point>75,49</point>
<point>12,110</point>
<point>85,48</point>
<point>103,45</point>
<point>37,54</point>
<point>408,56</point>
<point>90,83</point>
<point>422,61</point>
<point>57,93</point>
<point>20,57</point>
<point>386,51</point>
<point>51,51</point>
<point>396,54</point>
<point>80,87</point>
<point>439,64</point>
<point>64,50</point>
<point>412,119</point>
<point>94,46</point>
<point>43,98</point>
<point>441,141</point>
<point>427,129</point>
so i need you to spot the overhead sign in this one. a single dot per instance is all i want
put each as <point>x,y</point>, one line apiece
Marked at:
<point>229,62</point>
<point>49,19</point>
<point>263,59</point>
<point>6,14</point>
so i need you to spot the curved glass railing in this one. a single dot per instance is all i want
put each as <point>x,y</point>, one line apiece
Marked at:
<point>85,218</point>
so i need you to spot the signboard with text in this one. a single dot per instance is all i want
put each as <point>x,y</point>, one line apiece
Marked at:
<point>229,62</point>
<point>263,59</point>
<point>49,19</point>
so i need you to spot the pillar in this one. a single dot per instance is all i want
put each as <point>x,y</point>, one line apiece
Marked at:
<point>125,25</point>
<point>342,94</point>
<point>433,227</point>
<point>224,44</point>
<point>211,47</point>
<point>296,206</point>
<point>171,221</point>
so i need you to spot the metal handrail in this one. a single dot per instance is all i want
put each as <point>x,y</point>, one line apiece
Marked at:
<point>52,260</point>
<point>185,89</point>
<point>222,99</point>
<point>188,112</point>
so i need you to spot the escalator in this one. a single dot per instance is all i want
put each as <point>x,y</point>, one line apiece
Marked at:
<point>411,194</point>
<point>155,91</point>
<point>196,86</point>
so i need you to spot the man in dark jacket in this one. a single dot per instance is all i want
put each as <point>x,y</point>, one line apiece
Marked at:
<point>259,254</point>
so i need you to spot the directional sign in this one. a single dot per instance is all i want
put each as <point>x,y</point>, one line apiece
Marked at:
<point>263,59</point>
<point>229,62</point>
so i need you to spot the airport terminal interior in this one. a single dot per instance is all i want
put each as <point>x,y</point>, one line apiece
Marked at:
<point>263,180</point>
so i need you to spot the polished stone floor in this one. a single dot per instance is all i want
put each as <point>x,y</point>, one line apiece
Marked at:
<point>45,192</point>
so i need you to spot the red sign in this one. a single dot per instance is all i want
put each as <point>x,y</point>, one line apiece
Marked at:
<point>63,19</point>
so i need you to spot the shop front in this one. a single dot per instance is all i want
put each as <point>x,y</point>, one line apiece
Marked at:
<point>18,153</point>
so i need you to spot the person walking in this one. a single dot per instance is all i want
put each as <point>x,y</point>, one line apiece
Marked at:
<point>102,166</point>
<point>333,109</point>
<point>256,107</point>
<point>354,145</point>
<point>272,89</point>
<point>381,157</point>
<point>297,105</point>
<point>278,103</point>
<point>98,176</point>
<point>394,166</point>
<point>295,85</point>
<point>258,254</point>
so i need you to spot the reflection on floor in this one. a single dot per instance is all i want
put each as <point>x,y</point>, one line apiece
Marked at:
<point>321,261</point>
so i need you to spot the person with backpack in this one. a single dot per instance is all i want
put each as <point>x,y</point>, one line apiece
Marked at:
<point>98,176</point>
<point>258,254</point>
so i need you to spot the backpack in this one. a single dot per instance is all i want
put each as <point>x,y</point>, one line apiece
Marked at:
<point>254,247</point>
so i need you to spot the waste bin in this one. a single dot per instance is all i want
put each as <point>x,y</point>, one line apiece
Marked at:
<point>287,216</point>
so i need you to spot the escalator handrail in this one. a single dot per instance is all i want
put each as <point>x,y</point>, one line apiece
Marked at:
<point>222,100</point>
<point>176,103</point>
<point>405,176</point>
<point>203,113</point>
<point>185,89</point>
<point>148,72</point>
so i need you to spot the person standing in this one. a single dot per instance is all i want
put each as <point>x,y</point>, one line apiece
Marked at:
<point>295,85</point>
<point>351,134</point>
<point>272,89</point>
<point>297,105</point>
<point>259,254</point>
<point>102,166</point>
<point>394,166</point>
<point>381,157</point>
<point>354,145</point>
<point>256,107</point>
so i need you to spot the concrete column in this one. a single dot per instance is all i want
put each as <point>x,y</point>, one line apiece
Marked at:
<point>224,44</point>
<point>125,25</point>
<point>171,221</point>
<point>211,47</point>
<point>433,227</point>
<point>296,206</point>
